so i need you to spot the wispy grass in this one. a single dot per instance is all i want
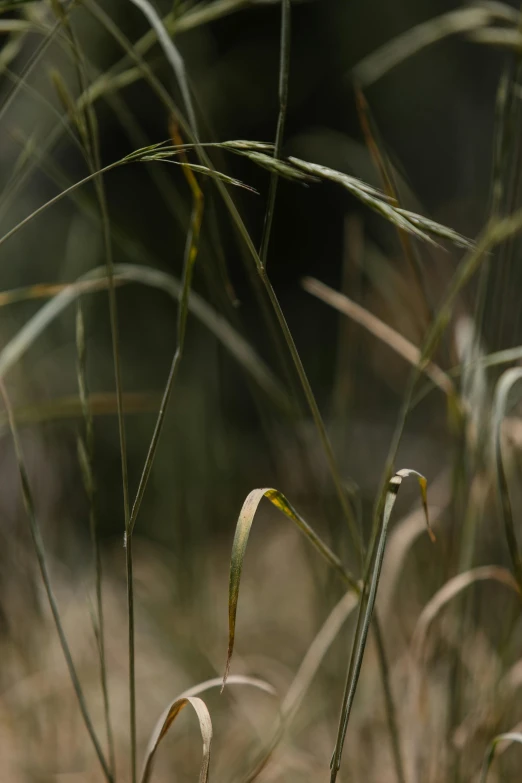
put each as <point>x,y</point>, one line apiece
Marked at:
<point>489,23</point>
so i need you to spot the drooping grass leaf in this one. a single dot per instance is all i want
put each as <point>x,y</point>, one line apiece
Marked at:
<point>244,524</point>
<point>189,696</point>
<point>506,382</point>
<point>164,724</point>
<point>65,295</point>
<point>509,737</point>
<point>367,604</point>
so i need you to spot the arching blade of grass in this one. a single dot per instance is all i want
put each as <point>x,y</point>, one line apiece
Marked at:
<point>95,280</point>
<point>509,737</point>
<point>164,724</point>
<point>244,524</point>
<point>190,696</point>
<point>42,563</point>
<point>366,607</point>
<point>452,588</point>
<point>464,20</point>
<point>506,382</point>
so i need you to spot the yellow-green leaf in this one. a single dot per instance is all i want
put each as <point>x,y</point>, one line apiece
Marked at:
<point>244,524</point>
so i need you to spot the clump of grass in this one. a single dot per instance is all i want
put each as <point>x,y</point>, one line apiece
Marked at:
<point>281,400</point>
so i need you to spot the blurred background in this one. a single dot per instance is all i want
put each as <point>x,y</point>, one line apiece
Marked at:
<point>236,423</point>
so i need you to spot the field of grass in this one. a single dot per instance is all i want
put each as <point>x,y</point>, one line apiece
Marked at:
<point>260,388</point>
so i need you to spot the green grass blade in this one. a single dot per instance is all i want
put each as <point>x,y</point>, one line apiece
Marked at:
<point>284,70</point>
<point>191,252</point>
<point>504,386</point>
<point>64,296</point>
<point>366,608</point>
<point>510,737</point>
<point>173,56</point>
<point>464,20</point>
<point>86,458</point>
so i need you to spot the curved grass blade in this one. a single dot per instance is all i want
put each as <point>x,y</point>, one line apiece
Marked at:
<point>164,724</point>
<point>450,590</point>
<point>42,563</point>
<point>176,706</point>
<point>244,524</point>
<point>509,737</point>
<point>506,382</point>
<point>464,20</point>
<point>367,604</point>
<point>95,280</point>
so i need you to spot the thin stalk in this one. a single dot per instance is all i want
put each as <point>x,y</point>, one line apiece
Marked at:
<point>284,70</point>
<point>88,132</point>
<point>391,712</point>
<point>59,197</point>
<point>42,563</point>
<point>191,251</point>
<point>86,453</point>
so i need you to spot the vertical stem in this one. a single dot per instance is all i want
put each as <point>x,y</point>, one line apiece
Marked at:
<point>284,70</point>
<point>86,453</point>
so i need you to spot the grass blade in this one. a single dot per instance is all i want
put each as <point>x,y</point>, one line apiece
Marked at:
<point>506,382</point>
<point>244,524</point>
<point>173,56</point>
<point>86,458</point>
<point>380,330</point>
<point>284,70</point>
<point>191,252</point>
<point>173,710</point>
<point>164,724</point>
<point>464,20</point>
<point>450,590</point>
<point>367,605</point>
<point>509,737</point>
<point>64,295</point>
